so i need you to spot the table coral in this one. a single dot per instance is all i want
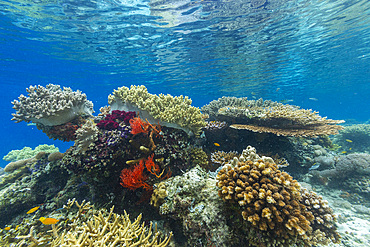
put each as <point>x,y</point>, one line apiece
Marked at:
<point>271,117</point>
<point>169,111</point>
<point>51,105</point>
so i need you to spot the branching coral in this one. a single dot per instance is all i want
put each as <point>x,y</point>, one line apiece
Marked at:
<point>51,105</point>
<point>169,111</point>
<point>270,199</point>
<point>97,228</point>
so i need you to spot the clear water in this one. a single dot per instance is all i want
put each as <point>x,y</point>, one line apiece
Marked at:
<point>313,53</point>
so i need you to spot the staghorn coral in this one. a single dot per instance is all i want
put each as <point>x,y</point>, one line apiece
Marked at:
<point>110,229</point>
<point>271,201</point>
<point>169,111</point>
<point>89,227</point>
<point>51,105</point>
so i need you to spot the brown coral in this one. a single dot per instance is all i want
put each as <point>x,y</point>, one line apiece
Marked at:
<point>270,199</point>
<point>323,226</point>
<point>220,158</point>
<point>274,203</point>
<point>272,117</point>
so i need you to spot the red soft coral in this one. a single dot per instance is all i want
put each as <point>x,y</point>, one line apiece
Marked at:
<point>134,178</point>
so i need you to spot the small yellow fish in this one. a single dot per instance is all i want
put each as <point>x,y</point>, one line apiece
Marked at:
<point>350,148</point>
<point>7,228</point>
<point>344,152</point>
<point>216,144</point>
<point>16,228</point>
<point>33,210</point>
<point>348,140</point>
<point>48,221</point>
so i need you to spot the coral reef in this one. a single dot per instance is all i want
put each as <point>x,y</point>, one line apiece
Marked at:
<point>271,201</point>
<point>200,158</point>
<point>166,110</point>
<point>109,229</point>
<point>350,172</point>
<point>192,199</point>
<point>88,227</point>
<point>271,117</point>
<point>323,226</point>
<point>41,181</point>
<point>51,105</point>
<point>28,152</point>
<point>354,138</point>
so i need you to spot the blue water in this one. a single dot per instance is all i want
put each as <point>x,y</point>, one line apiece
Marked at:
<point>313,53</point>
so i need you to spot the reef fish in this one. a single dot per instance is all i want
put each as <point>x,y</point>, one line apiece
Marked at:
<point>348,140</point>
<point>7,228</point>
<point>33,210</point>
<point>216,144</point>
<point>314,166</point>
<point>48,221</point>
<point>344,152</point>
<point>314,99</point>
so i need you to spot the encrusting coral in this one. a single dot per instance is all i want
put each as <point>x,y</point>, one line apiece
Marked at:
<point>166,110</point>
<point>272,117</point>
<point>51,105</point>
<point>271,200</point>
<point>28,152</point>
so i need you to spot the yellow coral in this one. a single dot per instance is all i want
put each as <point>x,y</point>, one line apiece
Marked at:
<point>175,112</point>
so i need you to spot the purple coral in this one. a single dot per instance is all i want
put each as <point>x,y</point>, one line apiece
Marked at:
<point>111,121</point>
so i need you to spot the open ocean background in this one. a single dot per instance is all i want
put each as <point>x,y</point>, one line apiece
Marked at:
<point>314,54</point>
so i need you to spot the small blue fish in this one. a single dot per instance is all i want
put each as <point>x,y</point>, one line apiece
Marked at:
<point>314,166</point>
<point>314,99</point>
